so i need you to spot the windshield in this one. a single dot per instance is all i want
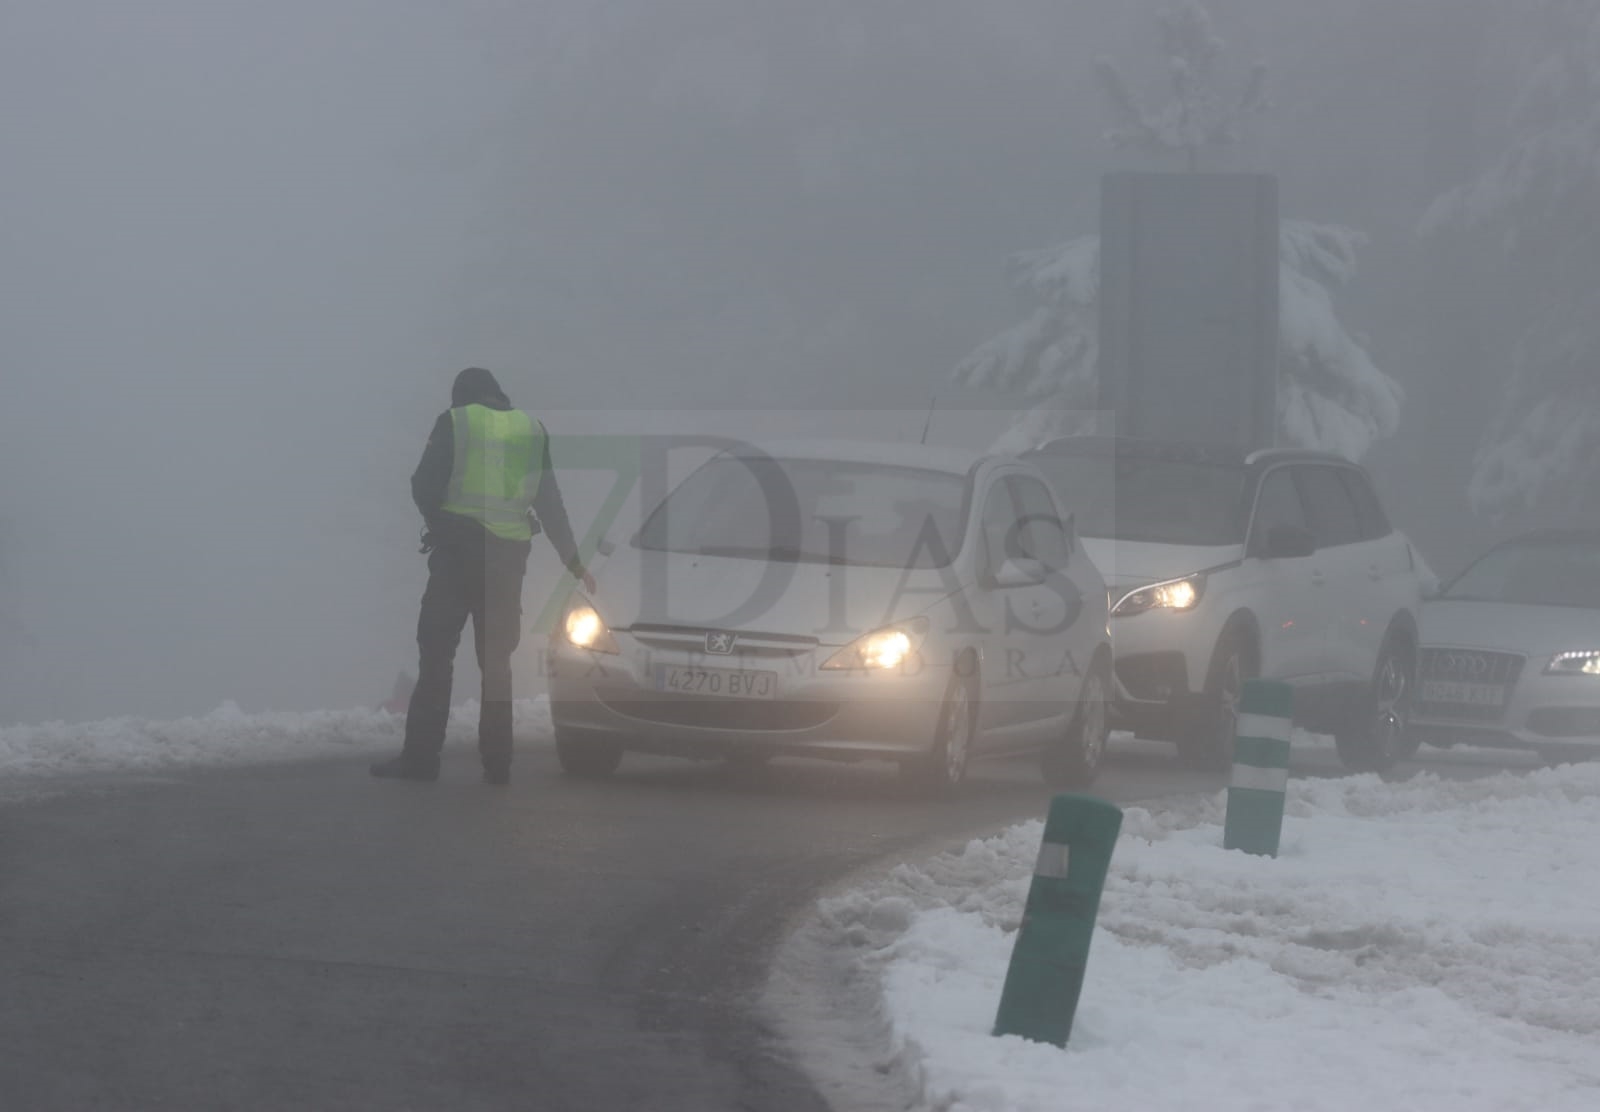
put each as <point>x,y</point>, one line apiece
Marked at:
<point>1533,575</point>
<point>1146,498</point>
<point>821,511</point>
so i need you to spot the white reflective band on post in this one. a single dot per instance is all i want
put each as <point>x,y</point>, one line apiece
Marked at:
<point>1053,861</point>
<point>1261,779</point>
<point>1265,726</point>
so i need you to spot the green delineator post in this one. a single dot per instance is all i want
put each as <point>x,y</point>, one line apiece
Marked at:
<point>1260,768</point>
<point>1052,948</point>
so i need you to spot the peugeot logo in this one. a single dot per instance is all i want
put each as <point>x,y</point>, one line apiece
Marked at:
<point>1463,664</point>
<point>719,643</point>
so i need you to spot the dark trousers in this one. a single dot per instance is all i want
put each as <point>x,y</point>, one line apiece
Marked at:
<point>479,576</point>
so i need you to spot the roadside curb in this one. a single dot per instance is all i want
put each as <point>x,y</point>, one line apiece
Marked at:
<point>823,994</point>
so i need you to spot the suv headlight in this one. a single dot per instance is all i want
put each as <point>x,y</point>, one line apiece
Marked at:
<point>584,628</point>
<point>1582,662</point>
<point>882,650</point>
<point>1174,594</point>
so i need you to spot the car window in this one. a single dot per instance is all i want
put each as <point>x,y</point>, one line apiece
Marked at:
<point>1374,522</point>
<point>1042,536</point>
<point>812,511</point>
<point>1531,573</point>
<point>1001,537</point>
<point>1278,504</point>
<point>1334,519</point>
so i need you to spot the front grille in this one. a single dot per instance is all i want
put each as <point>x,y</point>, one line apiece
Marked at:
<point>728,714</point>
<point>1467,666</point>
<point>693,640</point>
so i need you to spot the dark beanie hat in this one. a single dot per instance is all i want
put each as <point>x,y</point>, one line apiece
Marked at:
<point>476,385</point>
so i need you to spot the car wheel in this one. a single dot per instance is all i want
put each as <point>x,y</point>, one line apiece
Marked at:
<point>1380,737</point>
<point>1207,742</point>
<point>1073,761</point>
<point>943,769</point>
<point>587,757</point>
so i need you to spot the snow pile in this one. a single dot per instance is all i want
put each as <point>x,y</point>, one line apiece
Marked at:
<point>227,735</point>
<point>1427,945</point>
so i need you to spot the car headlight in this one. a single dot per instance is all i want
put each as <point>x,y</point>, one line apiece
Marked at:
<point>585,629</point>
<point>1174,594</point>
<point>1583,662</point>
<point>882,650</point>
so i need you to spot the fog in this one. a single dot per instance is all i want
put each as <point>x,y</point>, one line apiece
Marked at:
<point>247,246</point>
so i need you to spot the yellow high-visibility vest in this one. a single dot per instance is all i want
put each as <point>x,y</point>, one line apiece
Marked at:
<point>499,463</point>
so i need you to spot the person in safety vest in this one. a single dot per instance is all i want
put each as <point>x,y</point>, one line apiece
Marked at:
<point>485,487</point>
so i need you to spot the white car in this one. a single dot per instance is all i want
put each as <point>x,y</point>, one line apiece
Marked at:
<point>1226,565</point>
<point>1511,650</point>
<point>894,602</point>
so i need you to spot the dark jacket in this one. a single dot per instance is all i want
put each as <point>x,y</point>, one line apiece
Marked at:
<point>430,483</point>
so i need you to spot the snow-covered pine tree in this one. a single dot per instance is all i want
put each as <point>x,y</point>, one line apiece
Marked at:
<point>1331,395</point>
<point>1535,214</point>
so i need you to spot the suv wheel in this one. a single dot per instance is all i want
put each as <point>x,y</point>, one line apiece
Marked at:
<point>1207,742</point>
<point>591,758</point>
<point>1073,760</point>
<point>943,769</point>
<point>1379,738</point>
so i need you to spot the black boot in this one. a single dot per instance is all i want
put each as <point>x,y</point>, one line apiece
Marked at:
<point>405,768</point>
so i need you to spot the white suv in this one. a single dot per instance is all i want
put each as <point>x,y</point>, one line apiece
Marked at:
<point>1224,565</point>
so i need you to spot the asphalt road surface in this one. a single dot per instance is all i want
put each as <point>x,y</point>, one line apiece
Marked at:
<point>302,937</point>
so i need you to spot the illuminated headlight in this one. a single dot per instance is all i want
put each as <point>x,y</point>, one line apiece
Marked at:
<point>1585,662</point>
<point>1174,594</point>
<point>584,629</point>
<point>882,650</point>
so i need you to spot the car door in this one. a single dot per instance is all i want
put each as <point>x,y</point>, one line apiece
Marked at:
<point>1057,640</point>
<point>1003,672</point>
<point>1392,582</point>
<point>1342,586</point>
<point>1012,615</point>
<point>1283,592</point>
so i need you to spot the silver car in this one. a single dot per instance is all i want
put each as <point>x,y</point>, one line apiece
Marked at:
<point>1511,650</point>
<point>895,602</point>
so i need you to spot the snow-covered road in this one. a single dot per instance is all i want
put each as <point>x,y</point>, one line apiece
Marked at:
<point>1430,944</point>
<point>226,736</point>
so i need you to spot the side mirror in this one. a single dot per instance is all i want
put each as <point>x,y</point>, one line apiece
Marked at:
<point>605,547</point>
<point>1020,573</point>
<point>1287,542</point>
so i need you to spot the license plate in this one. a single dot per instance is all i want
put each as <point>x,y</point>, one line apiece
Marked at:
<point>733,683</point>
<point>1463,694</point>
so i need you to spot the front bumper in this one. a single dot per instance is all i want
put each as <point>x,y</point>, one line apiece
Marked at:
<point>845,715</point>
<point>1549,713</point>
<point>1161,662</point>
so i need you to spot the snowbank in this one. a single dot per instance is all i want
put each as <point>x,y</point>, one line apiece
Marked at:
<point>1425,945</point>
<point>226,736</point>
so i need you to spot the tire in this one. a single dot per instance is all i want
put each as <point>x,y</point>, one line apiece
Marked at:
<point>587,757</point>
<point>943,769</point>
<point>1073,761</point>
<point>1379,739</point>
<point>1207,742</point>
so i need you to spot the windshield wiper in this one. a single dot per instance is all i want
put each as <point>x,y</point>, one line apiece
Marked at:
<point>782,554</point>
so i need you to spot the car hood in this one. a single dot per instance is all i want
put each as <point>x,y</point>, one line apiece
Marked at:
<point>1509,627</point>
<point>1135,563</point>
<point>833,604</point>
